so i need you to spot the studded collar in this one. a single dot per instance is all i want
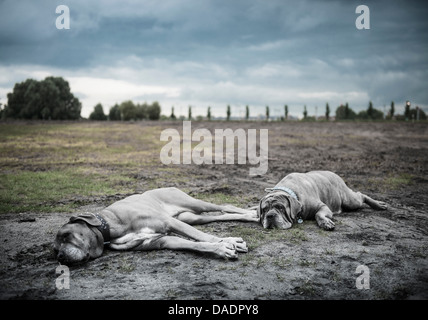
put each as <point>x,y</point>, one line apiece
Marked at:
<point>285,189</point>
<point>104,228</point>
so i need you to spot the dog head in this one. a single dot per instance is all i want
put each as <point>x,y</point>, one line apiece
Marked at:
<point>278,210</point>
<point>78,240</point>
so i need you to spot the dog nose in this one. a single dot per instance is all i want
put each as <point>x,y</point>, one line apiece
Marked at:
<point>270,215</point>
<point>60,257</point>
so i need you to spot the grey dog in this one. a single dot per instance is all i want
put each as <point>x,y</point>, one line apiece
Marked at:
<point>313,195</point>
<point>145,222</point>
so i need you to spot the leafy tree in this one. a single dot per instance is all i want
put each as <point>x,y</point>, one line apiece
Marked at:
<point>98,113</point>
<point>305,112</point>
<point>347,111</point>
<point>173,117</point>
<point>247,112</point>
<point>114,114</point>
<point>286,112</point>
<point>209,113</point>
<point>1,111</point>
<point>154,110</point>
<point>370,111</point>
<point>128,111</point>
<point>267,112</point>
<point>342,114</point>
<point>392,110</point>
<point>407,110</point>
<point>141,111</point>
<point>413,114</point>
<point>363,115</point>
<point>228,113</point>
<point>190,112</point>
<point>375,115</point>
<point>327,112</point>
<point>50,98</point>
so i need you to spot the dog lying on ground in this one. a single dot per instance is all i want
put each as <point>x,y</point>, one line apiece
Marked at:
<point>313,195</point>
<point>144,222</point>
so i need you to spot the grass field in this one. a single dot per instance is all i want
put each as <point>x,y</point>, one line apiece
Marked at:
<point>53,167</point>
<point>49,167</point>
<point>52,170</point>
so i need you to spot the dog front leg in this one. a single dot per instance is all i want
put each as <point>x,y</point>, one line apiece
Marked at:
<point>323,218</point>
<point>220,249</point>
<point>186,230</point>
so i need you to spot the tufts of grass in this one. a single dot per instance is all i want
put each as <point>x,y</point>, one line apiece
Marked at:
<point>44,166</point>
<point>222,198</point>
<point>45,191</point>
<point>391,182</point>
<point>255,236</point>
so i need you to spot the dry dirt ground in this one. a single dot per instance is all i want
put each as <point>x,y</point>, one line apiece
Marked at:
<point>387,161</point>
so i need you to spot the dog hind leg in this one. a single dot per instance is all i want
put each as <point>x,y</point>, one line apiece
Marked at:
<point>355,200</point>
<point>195,219</point>
<point>375,204</point>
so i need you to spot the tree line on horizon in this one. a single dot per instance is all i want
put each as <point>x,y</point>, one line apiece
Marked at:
<point>343,112</point>
<point>127,111</point>
<point>51,99</point>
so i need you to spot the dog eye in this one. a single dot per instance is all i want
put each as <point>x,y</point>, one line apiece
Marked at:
<point>65,236</point>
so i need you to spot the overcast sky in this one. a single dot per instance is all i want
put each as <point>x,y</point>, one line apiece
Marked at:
<point>219,52</point>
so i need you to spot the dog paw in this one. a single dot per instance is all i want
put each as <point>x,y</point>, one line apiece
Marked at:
<point>239,244</point>
<point>327,224</point>
<point>226,250</point>
<point>252,216</point>
<point>381,205</point>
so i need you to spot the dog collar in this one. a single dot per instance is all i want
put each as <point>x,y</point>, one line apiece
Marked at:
<point>285,189</point>
<point>104,228</point>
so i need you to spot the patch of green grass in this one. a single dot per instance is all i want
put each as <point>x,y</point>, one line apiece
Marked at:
<point>43,191</point>
<point>307,263</point>
<point>44,166</point>
<point>41,146</point>
<point>280,277</point>
<point>126,266</point>
<point>391,182</point>
<point>307,288</point>
<point>255,236</point>
<point>164,175</point>
<point>282,262</point>
<point>397,181</point>
<point>328,251</point>
<point>222,198</point>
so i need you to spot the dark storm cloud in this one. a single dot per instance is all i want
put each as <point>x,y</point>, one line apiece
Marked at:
<point>238,52</point>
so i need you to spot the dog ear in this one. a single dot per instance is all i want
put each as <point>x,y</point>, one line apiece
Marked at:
<point>89,218</point>
<point>259,209</point>
<point>295,207</point>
